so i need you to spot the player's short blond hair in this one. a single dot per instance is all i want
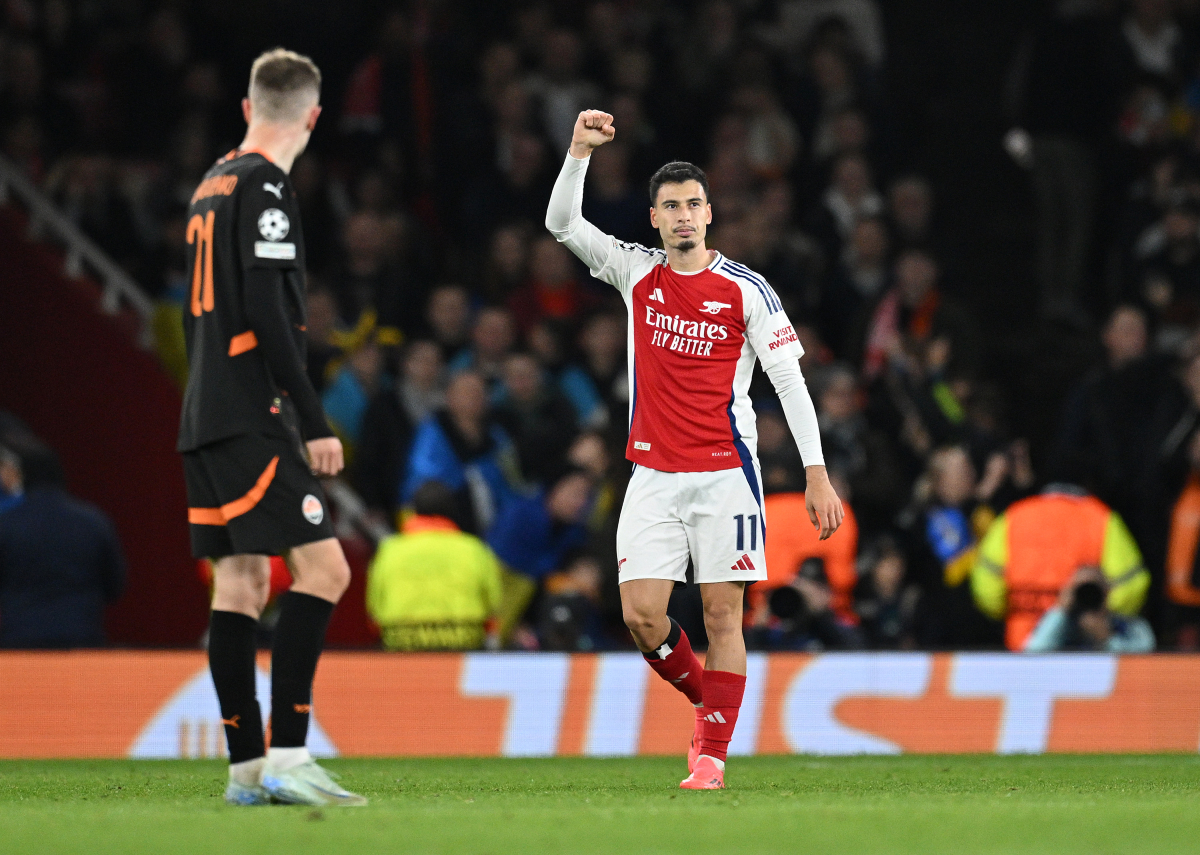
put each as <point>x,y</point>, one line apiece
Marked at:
<point>283,84</point>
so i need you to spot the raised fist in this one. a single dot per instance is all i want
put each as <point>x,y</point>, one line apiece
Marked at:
<point>593,128</point>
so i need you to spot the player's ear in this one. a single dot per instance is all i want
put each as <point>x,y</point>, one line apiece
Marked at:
<point>313,115</point>
<point>708,209</point>
<point>654,217</point>
<point>246,112</point>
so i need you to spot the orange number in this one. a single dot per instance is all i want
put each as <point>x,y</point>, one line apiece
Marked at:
<point>200,229</point>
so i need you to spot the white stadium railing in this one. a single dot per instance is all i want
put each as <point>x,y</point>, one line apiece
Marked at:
<point>82,255</point>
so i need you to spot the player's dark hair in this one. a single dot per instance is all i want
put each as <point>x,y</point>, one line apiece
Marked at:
<point>281,82</point>
<point>676,172</point>
<point>435,499</point>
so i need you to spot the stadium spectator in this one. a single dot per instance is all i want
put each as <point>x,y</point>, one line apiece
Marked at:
<point>1082,621</point>
<point>553,292</point>
<point>860,278</point>
<point>910,211</point>
<point>858,452</point>
<point>958,515</point>
<point>888,605</point>
<point>390,421</point>
<point>1105,426</point>
<point>1035,548</point>
<point>370,283</point>
<point>1067,85</point>
<point>60,558</point>
<point>915,312</point>
<point>322,332</point>
<point>350,391</point>
<point>1167,273</point>
<point>461,447</point>
<point>850,197</point>
<point>448,318</point>
<point>506,263</point>
<point>598,384</point>
<point>492,339</point>
<point>432,586</point>
<point>569,614</point>
<point>540,421</point>
<point>534,536</point>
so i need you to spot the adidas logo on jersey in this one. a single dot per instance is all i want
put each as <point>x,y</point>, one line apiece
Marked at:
<point>657,295</point>
<point>744,563</point>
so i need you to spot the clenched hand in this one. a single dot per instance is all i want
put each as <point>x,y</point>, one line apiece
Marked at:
<point>593,128</point>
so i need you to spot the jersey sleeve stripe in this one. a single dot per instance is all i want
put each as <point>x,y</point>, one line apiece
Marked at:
<point>729,271</point>
<point>745,275</point>
<point>765,289</point>
<point>768,292</point>
<point>630,247</point>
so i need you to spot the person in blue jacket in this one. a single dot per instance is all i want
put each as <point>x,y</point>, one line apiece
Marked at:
<point>463,448</point>
<point>535,535</point>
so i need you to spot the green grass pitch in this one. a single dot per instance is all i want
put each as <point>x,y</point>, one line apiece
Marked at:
<point>950,804</point>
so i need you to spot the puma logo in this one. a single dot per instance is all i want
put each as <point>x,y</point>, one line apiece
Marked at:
<point>302,708</point>
<point>276,189</point>
<point>232,722</point>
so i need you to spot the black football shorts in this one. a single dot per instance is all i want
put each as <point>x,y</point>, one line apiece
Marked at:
<point>253,494</point>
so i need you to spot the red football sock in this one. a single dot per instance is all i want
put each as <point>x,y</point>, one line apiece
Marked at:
<point>675,662</point>
<point>722,700</point>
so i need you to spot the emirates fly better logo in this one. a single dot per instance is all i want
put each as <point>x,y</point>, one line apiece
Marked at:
<point>694,338</point>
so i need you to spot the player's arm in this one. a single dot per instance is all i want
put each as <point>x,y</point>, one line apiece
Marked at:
<point>264,307</point>
<point>564,215</point>
<point>268,254</point>
<point>779,351</point>
<point>824,507</point>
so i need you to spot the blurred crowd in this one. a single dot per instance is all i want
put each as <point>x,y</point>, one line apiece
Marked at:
<point>477,374</point>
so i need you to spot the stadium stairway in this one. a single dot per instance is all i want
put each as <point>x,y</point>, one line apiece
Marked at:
<point>79,380</point>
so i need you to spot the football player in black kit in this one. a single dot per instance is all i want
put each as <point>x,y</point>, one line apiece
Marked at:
<point>254,438</point>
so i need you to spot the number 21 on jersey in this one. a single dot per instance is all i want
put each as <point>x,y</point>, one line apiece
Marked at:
<point>200,232</point>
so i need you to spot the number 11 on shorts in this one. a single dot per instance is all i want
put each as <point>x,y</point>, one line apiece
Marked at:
<point>741,531</point>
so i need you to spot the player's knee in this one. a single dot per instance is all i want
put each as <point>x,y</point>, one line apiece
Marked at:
<point>722,618</point>
<point>641,621</point>
<point>335,578</point>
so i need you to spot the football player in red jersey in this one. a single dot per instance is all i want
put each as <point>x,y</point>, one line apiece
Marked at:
<point>698,321</point>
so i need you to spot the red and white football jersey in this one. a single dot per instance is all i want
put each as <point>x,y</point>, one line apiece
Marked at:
<point>693,340</point>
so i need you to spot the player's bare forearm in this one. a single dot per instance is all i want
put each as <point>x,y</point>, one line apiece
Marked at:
<point>822,502</point>
<point>593,128</point>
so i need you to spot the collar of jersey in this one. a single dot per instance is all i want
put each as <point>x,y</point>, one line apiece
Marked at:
<point>238,152</point>
<point>711,265</point>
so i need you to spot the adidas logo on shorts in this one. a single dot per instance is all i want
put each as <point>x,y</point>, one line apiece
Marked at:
<point>744,563</point>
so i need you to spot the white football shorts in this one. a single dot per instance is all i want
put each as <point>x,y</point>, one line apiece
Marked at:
<point>716,518</point>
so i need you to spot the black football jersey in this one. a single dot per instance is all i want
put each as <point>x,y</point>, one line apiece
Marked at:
<point>242,216</point>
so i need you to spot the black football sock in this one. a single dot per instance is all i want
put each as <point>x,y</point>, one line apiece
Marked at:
<point>299,636</point>
<point>231,651</point>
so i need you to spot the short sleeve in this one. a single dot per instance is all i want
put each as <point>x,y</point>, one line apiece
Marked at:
<point>268,220</point>
<point>767,325</point>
